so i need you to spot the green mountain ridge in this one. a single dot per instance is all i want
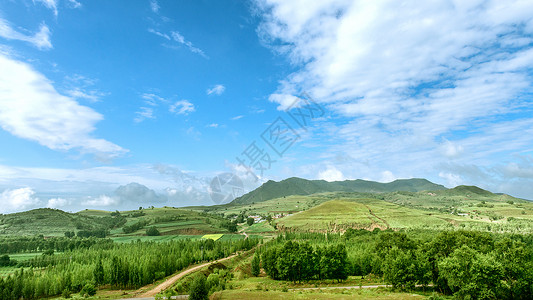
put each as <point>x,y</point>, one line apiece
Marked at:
<point>299,186</point>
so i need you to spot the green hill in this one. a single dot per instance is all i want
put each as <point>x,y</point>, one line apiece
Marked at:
<point>49,222</point>
<point>298,186</point>
<point>55,222</point>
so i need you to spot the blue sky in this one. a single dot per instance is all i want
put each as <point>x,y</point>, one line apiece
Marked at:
<point>118,104</point>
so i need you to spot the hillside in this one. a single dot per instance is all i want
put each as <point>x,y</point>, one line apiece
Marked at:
<point>462,208</point>
<point>298,186</point>
<point>50,222</point>
<point>125,224</point>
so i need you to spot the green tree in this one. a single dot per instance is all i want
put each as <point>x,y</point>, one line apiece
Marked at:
<point>256,265</point>
<point>250,221</point>
<point>198,288</point>
<point>98,273</point>
<point>472,275</point>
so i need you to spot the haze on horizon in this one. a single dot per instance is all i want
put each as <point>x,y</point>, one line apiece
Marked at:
<point>122,104</point>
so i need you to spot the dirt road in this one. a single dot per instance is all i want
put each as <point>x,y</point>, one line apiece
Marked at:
<point>169,282</point>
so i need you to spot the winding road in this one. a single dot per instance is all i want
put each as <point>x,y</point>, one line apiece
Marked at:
<point>169,282</point>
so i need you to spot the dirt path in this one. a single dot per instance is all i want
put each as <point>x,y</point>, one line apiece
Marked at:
<point>381,219</point>
<point>169,282</point>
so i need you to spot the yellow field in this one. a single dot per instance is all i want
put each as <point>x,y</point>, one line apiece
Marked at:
<point>214,237</point>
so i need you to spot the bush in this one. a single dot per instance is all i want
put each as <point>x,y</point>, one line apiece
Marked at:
<point>198,288</point>
<point>88,290</point>
<point>152,231</point>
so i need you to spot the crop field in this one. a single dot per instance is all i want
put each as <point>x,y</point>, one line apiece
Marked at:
<point>260,228</point>
<point>283,205</point>
<point>214,237</point>
<point>160,238</point>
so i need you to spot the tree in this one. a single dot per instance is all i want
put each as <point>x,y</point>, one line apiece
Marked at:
<point>198,288</point>
<point>471,274</point>
<point>240,219</point>
<point>5,261</point>
<point>250,221</point>
<point>152,231</point>
<point>256,262</point>
<point>99,273</point>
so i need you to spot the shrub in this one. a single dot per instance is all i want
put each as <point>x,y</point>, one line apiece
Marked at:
<point>198,288</point>
<point>152,231</point>
<point>88,290</point>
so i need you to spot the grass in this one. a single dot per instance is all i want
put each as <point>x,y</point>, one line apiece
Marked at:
<point>377,294</point>
<point>260,228</point>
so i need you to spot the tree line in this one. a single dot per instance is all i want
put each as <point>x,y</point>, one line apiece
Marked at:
<point>39,243</point>
<point>301,262</point>
<point>465,264</point>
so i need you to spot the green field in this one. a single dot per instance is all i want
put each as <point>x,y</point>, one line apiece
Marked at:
<point>318,294</point>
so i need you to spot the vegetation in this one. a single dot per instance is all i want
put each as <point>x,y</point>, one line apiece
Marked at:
<point>198,289</point>
<point>464,242</point>
<point>118,265</point>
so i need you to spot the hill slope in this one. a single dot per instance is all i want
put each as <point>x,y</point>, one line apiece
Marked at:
<point>298,186</point>
<point>50,222</point>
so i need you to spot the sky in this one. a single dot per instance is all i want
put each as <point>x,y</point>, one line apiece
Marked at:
<point>120,104</point>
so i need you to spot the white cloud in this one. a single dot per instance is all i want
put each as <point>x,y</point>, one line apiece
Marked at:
<point>57,203</point>
<point>32,109</point>
<point>163,35</point>
<point>75,4</point>
<point>154,6</point>
<point>18,199</point>
<point>40,39</point>
<point>331,174</point>
<point>176,36</point>
<point>145,113</point>
<point>387,176</point>
<point>285,101</point>
<point>78,93</point>
<point>451,150</point>
<point>50,4</point>
<point>182,107</point>
<point>237,117</point>
<point>217,90</point>
<point>405,76</point>
<point>213,125</point>
<point>452,179</point>
<point>101,201</point>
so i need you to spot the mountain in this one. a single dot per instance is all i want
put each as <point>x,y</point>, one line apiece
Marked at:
<point>299,186</point>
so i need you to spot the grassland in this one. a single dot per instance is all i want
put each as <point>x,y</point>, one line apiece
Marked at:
<point>318,294</point>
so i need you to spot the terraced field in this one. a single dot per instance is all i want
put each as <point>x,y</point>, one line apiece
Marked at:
<point>338,215</point>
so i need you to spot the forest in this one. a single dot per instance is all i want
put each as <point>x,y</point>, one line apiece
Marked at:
<point>106,263</point>
<point>465,264</point>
